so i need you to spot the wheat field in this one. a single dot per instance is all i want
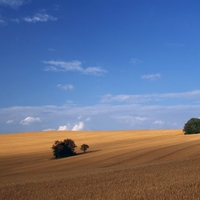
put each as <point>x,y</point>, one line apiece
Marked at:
<point>139,164</point>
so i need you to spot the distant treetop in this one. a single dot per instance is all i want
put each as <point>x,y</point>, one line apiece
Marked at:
<point>192,126</point>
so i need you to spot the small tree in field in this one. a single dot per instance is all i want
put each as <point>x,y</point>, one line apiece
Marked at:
<point>192,126</point>
<point>64,148</point>
<point>84,147</point>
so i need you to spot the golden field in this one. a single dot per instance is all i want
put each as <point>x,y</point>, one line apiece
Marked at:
<point>140,164</point>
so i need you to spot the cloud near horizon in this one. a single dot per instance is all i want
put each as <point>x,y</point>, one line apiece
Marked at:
<point>77,127</point>
<point>159,122</point>
<point>74,66</point>
<point>116,112</point>
<point>63,128</point>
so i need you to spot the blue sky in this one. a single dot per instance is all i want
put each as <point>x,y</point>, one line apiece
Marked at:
<point>98,65</point>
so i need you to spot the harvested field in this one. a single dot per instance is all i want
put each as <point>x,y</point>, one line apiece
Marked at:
<point>140,164</point>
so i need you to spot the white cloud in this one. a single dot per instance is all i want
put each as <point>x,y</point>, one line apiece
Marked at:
<point>63,128</point>
<point>29,120</point>
<point>104,116</point>
<point>159,122</point>
<point>74,66</point>
<point>13,3</point>
<point>78,127</point>
<point>94,71</point>
<point>130,119</point>
<point>151,76</point>
<point>190,94</point>
<point>141,119</point>
<point>150,97</point>
<point>66,87</point>
<point>61,66</point>
<point>9,122</point>
<point>40,17</point>
<point>107,115</point>
<point>122,97</point>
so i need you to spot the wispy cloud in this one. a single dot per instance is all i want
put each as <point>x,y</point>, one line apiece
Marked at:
<point>15,20</point>
<point>2,22</point>
<point>74,66</point>
<point>143,111</point>
<point>151,76</point>
<point>135,61</point>
<point>150,97</point>
<point>40,17</point>
<point>94,71</point>
<point>129,119</point>
<point>62,66</point>
<point>104,116</point>
<point>29,120</point>
<point>159,122</point>
<point>88,119</point>
<point>13,3</point>
<point>51,49</point>
<point>9,122</point>
<point>66,87</point>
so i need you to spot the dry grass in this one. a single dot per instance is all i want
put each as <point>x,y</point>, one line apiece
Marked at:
<point>154,164</point>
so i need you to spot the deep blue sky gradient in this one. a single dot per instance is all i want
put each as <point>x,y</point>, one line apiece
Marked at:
<point>142,48</point>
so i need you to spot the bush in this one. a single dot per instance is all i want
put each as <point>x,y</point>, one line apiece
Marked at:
<point>84,147</point>
<point>192,126</point>
<point>64,148</point>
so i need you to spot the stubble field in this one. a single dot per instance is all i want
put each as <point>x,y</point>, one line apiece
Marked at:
<point>140,164</point>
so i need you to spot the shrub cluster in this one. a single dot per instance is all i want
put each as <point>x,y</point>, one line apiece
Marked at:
<point>192,126</point>
<point>66,148</point>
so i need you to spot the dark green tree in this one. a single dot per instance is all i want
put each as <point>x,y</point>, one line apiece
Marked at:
<point>64,148</point>
<point>84,147</point>
<point>192,126</point>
